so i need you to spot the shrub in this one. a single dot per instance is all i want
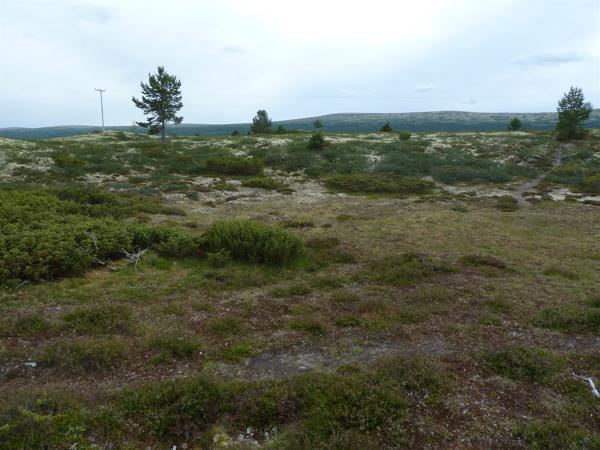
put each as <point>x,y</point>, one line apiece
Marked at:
<point>483,260</point>
<point>237,352</point>
<point>570,319</point>
<point>253,241</point>
<point>559,272</point>
<point>370,183</point>
<point>232,165</point>
<point>404,135</point>
<point>50,234</point>
<point>262,183</point>
<point>406,269</point>
<point>86,355</point>
<point>66,160</point>
<point>297,223</point>
<point>507,203</point>
<point>347,321</point>
<point>555,436</point>
<point>523,364</point>
<point>386,128</point>
<point>218,259</point>
<point>174,347</point>
<point>104,319</point>
<point>514,124</point>
<point>28,325</point>
<point>317,141</point>
<point>309,325</point>
<point>224,327</point>
<point>591,184</point>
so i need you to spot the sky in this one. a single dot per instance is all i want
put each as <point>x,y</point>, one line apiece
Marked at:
<point>293,58</point>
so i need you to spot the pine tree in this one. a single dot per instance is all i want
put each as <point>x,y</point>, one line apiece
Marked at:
<point>573,110</point>
<point>161,100</point>
<point>261,123</point>
<point>515,124</point>
<point>386,128</point>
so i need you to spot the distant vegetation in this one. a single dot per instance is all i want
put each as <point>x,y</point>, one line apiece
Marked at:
<point>448,121</point>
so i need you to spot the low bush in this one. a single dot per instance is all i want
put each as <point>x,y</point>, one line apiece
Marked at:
<point>50,234</point>
<point>591,184</point>
<point>297,223</point>
<point>560,272</point>
<point>523,364</point>
<point>170,347</point>
<point>225,327</point>
<point>477,260</point>
<point>218,259</point>
<point>309,325</point>
<point>87,355</point>
<point>507,203</point>
<point>406,269</point>
<point>253,241</point>
<point>372,183</point>
<point>263,183</point>
<point>555,436</point>
<point>237,352</point>
<point>28,325</point>
<point>103,319</point>
<point>232,165</point>
<point>570,319</point>
<point>317,141</point>
<point>404,135</point>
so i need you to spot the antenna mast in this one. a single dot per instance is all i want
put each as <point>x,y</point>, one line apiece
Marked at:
<point>101,91</point>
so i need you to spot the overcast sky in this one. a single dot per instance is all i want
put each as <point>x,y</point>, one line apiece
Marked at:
<point>293,58</point>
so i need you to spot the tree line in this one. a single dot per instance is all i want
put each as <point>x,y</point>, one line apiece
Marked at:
<point>161,101</point>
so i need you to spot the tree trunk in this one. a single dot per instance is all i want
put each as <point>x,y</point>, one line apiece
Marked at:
<point>162,131</point>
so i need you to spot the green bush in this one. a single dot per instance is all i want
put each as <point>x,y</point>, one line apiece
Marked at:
<point>232,165</point>
<point>477,260</point>
<point>262,183</point>
<point>87,355</point>
<point>555,436</point>
<point>507,203</point>
<point>570,319</point>
<point>523,364</point>
<point>309,325</point>
<point>371,183</point>
<point>174,347</point>
<point>591,184</point>
<point>404,135</point>
<point>406,269</point>
<point>103,319</point>
<point>317,141</point>
<point>252,241</point>
<point>47,234</point>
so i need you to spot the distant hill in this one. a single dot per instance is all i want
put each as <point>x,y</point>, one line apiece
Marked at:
<point>344,122</point>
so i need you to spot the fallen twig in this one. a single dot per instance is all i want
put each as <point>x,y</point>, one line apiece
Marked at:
<point>590,381</point>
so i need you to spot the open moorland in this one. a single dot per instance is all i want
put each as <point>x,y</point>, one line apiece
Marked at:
<point>436,290</point>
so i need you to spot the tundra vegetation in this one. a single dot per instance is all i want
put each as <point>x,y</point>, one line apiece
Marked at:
<point>251,292</point>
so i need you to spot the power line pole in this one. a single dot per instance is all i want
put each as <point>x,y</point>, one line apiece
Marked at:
<point>101,105</point>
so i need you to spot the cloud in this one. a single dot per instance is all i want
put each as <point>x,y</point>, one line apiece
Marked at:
<point>426,87</point>
<point>235,49</point>
<point>470,101</point>
<point>357,92</point>
<point>548,59</point>
<point>97,14</point>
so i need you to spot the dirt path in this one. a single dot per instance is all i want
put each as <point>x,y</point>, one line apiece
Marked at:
<point>531,185</point>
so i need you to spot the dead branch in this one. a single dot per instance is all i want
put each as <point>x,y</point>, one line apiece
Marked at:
<point>590,381</point>
<point>134,258</point>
